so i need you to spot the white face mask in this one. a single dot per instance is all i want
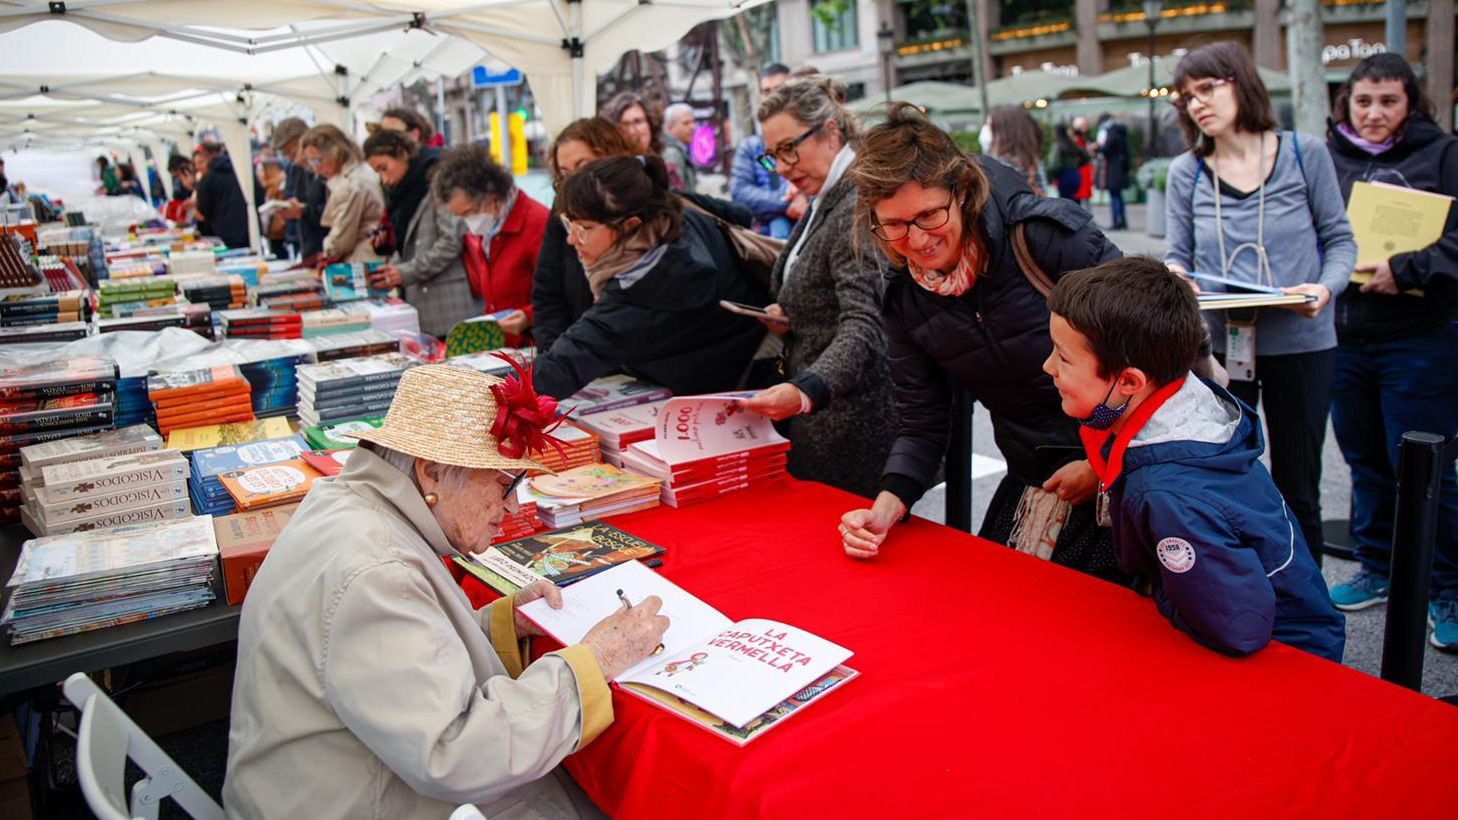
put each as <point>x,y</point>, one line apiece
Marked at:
<point>984,137</point>
<point>479,224</point>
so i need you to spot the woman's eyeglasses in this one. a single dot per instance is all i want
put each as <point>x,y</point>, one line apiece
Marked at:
<point>314,161</point>
<point>786,152</point>
<point>1204,91</point>
<point>579,231</point>
<point>515,482</point>
<point>894,230</point>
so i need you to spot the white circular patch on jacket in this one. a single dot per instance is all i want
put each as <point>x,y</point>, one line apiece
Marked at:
<point>1176,555</point>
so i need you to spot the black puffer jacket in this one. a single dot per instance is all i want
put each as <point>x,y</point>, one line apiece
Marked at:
<point>666,328</point>
<point>991,341</point>
<point>220,201</point>
<point>1426,159</point>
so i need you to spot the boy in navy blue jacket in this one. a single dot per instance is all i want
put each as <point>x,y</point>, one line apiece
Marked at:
<point>1196,517</point>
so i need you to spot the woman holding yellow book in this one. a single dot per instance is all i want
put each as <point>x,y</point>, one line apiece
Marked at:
<point>1396,334</point>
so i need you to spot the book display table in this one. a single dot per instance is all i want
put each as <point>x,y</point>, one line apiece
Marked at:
<point>994,684</point>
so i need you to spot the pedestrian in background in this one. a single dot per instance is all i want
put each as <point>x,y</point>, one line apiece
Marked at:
<point>1113,149</point>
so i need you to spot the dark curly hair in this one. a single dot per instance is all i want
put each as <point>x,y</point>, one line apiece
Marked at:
<point>470,170</point>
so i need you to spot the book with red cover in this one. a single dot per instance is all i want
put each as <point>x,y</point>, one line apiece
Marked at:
<point>164,386</point>
<point>328,462</point>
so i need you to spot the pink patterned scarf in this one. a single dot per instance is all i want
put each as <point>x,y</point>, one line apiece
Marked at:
<point>962,277</point>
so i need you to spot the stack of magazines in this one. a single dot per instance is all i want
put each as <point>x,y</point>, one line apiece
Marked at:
<point>205,483</point>
<point>81,581</point>
<point>107,492</point>
<point>197,398</point>
<point>350,388</point>
<point>616,429</point>
<point>593,491</point>
<point>705,446</point>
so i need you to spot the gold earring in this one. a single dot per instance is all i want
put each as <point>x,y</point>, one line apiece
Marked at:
<point>431,499</point>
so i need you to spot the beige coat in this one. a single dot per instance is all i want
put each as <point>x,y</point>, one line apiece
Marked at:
<point>354,208</point>
<point>367,687</point>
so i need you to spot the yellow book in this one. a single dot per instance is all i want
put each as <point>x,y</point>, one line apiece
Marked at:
<point>219,435</point>
<point>1389,219</point>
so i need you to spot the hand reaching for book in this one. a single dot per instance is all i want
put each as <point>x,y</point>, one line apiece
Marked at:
<point>527,594</point>
<point>626,636</point>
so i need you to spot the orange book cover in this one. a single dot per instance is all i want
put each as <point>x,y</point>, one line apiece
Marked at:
<point>270,485</point>
<point>204,405</point>
<point>243,541</point>
<point>191,382</point>
<point>231,392</point>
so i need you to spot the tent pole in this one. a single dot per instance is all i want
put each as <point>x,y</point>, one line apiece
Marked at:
<point>574,46</point>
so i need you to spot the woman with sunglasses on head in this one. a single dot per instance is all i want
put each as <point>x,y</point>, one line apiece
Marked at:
<point>835,404</point>
<point>356,200</point>
<point>962,314</point>
<point>1257,205</point>
<point>1396,332</point>
<point>656,275</point>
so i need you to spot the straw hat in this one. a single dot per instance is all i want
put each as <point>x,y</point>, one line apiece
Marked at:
<point>444,414</point>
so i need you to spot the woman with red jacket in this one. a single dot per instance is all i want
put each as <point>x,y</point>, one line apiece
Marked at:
<point>504,229</point>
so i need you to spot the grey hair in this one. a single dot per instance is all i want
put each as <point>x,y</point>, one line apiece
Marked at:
<point>671,113</point>
<point>470,170</point>
<point>452,479</point>
<point>814,101</point>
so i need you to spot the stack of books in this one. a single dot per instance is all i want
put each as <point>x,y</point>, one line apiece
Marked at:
<point>87,580</point>
<point>217,292</point>
<point>316,323</point>
<point>524,521</point>
<point>705,446</point>
<point>34,399</point>
<point>189,439</point>
<point>349,281</point>
<point>579,448</point>
<point>205,484</point>
<point>616,429</point>
<point>613,393</point>
<point>145,290</point>
<point>333,436</point>
<point>277,288</point>
<point>196,398</point>
<point>45,308</point>
<point>275,384</point>
<point>151,322</point>
<point>350,388</point>
<point>133,406</point>
<point>488,362</point>
<point>295,302</point>
<point>37,334</point>
<point>270,485</point>
<point>182,263</point>
<point>353,345</point>
<point>390,315</point>
<point>260,323</point>
<point>123,441</point>
<point>243,541</point>
<point>107,492</point>
<point>592,491</point>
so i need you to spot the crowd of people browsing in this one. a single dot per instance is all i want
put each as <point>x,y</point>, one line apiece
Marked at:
<point>912,271</point>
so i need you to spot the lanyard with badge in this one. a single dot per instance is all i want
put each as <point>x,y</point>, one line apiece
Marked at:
<point>1094,440</point>
<point>1240,336</point>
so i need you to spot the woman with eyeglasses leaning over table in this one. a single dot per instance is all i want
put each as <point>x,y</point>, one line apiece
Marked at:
<point>1250,203</point>
<point>656,274</point>
<point>962,314</point>
<point>356,201</point>
<point>835,403</point>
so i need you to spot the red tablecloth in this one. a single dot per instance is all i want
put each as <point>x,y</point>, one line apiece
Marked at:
<point>996,685</point>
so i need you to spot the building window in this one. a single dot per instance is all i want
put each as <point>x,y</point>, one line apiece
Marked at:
<point>839,33</point>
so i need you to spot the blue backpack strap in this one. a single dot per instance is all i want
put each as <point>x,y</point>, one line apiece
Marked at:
<point>1306,188</point>
<point>1199,171</point>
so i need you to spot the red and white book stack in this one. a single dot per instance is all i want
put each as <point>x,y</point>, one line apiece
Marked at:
<point>616,429</point>
<point>579,447</point>
<point>523,522</point>
<point>705,446</point>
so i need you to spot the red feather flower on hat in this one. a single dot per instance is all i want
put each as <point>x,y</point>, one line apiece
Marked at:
<point>524,420</point>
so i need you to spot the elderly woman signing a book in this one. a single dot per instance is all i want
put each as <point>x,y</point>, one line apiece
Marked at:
<point>367,686</point>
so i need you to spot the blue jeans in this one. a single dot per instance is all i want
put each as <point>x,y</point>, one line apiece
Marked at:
<point>1382,390</point>
<point>1116,209</point>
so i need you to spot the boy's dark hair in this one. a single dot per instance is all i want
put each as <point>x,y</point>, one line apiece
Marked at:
<point>1225,61</point>
<point>1134,313</point>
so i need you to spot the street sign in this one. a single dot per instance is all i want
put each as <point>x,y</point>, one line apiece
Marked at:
<point>482,77</point>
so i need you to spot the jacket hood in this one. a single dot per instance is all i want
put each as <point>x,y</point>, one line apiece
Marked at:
<point>1009,202</point>
<point>1200,423</point>
<point>1417,133</point>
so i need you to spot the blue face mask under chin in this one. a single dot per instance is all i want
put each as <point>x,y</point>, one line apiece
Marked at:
<point>1104,416</point>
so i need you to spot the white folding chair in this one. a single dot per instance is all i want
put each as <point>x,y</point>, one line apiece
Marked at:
<point>104,741</point>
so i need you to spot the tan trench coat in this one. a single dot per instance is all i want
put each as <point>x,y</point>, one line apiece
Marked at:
<point>355,206</point>
<point>367,687</point>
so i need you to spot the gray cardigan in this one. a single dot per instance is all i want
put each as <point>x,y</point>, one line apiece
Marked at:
<point>1308,239</point>
<point>836,350</point>
<point>431,269</point>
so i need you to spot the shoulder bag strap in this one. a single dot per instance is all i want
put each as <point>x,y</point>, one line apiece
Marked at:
<point>1027,264</point>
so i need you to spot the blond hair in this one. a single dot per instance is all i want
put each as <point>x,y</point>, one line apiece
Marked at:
<point>332,143</point>
<point>813,101</point>
<point>908,148</point>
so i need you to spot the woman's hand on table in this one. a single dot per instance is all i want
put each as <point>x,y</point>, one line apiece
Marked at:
<point>1074,482</point>
<point>532,592</point>
<point>1310,309</point>
<point>863,531</point>
<point>627,636</point>
<point>779,325</point>
<point>515,322</point>
<point>778,402</point>
<point>385,277</point>
<point>1382,279</point>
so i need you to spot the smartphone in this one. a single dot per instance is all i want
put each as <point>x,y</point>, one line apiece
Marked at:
<point>750,310</point>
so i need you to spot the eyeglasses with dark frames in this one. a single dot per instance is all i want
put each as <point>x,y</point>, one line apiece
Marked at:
<point>515,482</point>
<point>895,230</point>
<point>788,153</point>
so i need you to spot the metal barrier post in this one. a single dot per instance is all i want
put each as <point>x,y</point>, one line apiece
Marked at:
<point>959,464</point>
<point>1420,463</point>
